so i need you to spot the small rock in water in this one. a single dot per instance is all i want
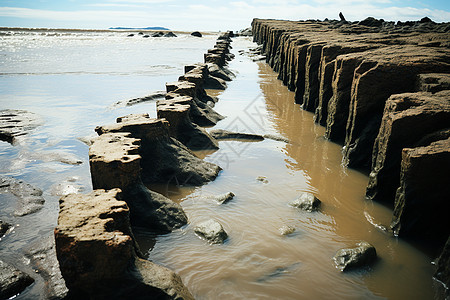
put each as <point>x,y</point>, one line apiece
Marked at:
<point>277,138</point>
<point>196,33</point>
<point>4,227</point>
<point>362,255</point>
<point>262,179</point>
<point>286,230</point>
<point>212,231</point>
<point>307,202</point>
<point>224,198</point>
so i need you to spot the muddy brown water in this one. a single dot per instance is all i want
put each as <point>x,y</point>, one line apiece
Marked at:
<point>257,262</point>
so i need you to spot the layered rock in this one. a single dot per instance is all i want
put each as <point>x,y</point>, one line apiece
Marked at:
<point>15,123</point>
<point>421,204</point>
<point>115,163</point>
<point>407,119</point>
<point>98,256</point>
<point>164,159</point>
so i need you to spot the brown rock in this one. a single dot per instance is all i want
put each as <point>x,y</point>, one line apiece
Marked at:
<point>421,206</point>
<point>97,254</point>
<point>407,118</point>
<point>164,159</point>
<point>433,82</point>
<point>115,164</point>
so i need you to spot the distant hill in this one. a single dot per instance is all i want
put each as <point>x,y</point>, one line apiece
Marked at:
<point>146,28</point>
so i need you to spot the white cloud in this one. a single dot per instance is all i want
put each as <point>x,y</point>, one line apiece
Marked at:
<point>114,5</point>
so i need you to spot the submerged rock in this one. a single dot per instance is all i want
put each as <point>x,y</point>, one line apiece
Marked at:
<point>42,256</point>
<point>151,97</point>
<point>262,179</point>
<point>307,202</point>
<point>278,272</point>
<point>224,198</point>
<point>15,123</point>
<point>12,280</point>
<point>362,255</point>
<point>30,198</point>
<point>212,231</point>
<point>98,256</point>
<point>221,134</point>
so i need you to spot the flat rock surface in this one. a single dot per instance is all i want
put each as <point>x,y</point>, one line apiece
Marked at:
<point>30,198</point>
<point>14,123</point>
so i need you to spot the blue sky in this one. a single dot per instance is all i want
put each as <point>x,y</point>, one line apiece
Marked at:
<point>205,15</point>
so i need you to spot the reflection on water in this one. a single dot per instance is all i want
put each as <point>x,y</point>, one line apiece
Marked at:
<point>256,261</point>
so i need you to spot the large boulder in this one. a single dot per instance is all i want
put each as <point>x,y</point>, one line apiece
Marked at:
<point>115,163</point>
<point>364,254</point>
<point>98,256</point>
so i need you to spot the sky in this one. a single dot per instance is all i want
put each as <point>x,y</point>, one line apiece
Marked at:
<point>212,15</point>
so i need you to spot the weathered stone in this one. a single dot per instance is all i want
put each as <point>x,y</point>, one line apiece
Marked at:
<point>221,134</point>
<point>15,123</point>
<point>362,255</point>
<point>97,253</point>
<point>215,83</point>
<point>30,198</point>
<point>164,159</point>
<point>442,273</point>
<point>433,82</point>
<point>181,127</point>
<point>307,202</point>
<point>218,72</point>
<point>115,164</point>
<point>407,118</point>
<point>421,204</point>
<point>212,231</point>
<point>12,280</point>
<point>42,256</point>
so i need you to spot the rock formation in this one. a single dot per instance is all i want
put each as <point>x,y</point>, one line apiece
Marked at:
<point>307,202</point>
<point>98,257</point>
<point>30,198</point>
<point>115,163</point>
<point>12,280</point>
<point>15,123</point>
<point>212,231</point>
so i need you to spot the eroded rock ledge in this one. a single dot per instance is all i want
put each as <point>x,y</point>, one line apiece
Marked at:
<point>382,90</point>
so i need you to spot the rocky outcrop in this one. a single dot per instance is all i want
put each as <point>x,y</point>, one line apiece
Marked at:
<point>421,204</point>
<point>212,231</point>
<point>407,119</point>
<point>15,123</point>
<point>364,254</point>
<point>29,198</point>
<point>181,127</point>
<point>378,87</point>
<point>12,280</point>
<point>152,97</point>
<point>115,163</point>
<point>4,227</point>
<point>164,159</point>
<point>97,254</point>
<point>307,202</point>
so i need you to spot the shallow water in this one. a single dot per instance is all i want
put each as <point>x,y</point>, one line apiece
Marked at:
<point>72,80</point>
